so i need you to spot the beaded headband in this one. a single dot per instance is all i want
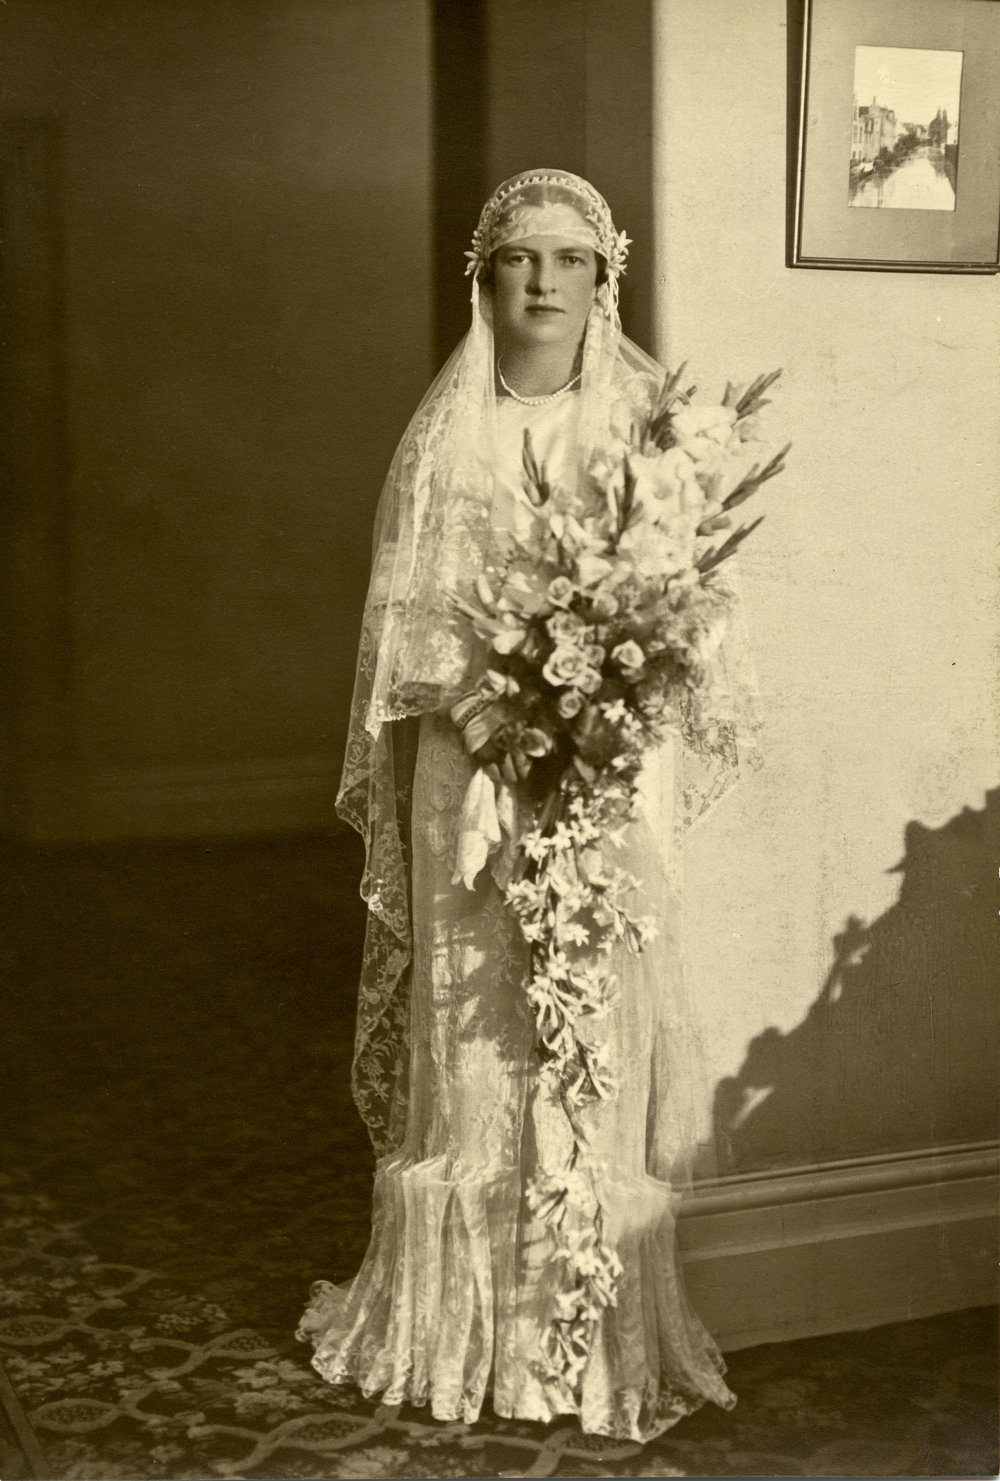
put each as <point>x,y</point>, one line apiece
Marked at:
<point>548,203</point>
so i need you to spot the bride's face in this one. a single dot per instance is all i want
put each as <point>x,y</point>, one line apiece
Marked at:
<point>542,291</point>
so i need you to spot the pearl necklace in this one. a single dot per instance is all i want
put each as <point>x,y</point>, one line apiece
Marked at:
<point>536,400</point>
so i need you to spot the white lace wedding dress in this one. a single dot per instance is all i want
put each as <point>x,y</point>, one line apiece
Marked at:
<point>458,1285</point>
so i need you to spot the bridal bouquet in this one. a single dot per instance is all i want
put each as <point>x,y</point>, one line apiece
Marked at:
<point>601,629</point>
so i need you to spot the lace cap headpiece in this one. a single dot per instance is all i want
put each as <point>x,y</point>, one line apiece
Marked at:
<point>551,203</point>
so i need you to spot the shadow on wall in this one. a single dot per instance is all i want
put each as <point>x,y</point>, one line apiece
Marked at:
<point>899,1050</point>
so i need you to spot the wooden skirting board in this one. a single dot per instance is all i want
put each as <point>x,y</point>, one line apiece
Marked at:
<point>842,1246</point>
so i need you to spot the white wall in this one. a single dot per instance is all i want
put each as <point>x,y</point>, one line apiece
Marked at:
<point>871,593</point>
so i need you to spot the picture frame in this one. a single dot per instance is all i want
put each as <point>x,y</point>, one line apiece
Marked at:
<point>878,186</point>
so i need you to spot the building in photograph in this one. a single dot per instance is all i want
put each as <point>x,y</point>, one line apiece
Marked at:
<point>937,129</point>
<point>873,129</point>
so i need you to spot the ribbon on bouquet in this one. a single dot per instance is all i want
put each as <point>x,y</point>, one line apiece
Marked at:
<point>487,825</point>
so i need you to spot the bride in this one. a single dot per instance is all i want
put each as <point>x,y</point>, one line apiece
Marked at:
<point>459,1283</point>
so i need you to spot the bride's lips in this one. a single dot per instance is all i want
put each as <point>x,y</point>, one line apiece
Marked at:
<point>544,308</point>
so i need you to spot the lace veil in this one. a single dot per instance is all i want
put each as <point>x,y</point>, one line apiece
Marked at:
<point>434,532</point>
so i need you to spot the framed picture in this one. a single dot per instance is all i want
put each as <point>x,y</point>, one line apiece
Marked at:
<point>898,162</point>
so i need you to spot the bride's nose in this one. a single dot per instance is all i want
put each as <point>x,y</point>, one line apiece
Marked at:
<point>542,278</point>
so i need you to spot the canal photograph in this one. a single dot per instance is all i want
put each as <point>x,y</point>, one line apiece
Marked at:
<point>905,128</point>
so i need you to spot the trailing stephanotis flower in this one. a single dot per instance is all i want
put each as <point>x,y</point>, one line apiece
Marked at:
<point>601,631</point>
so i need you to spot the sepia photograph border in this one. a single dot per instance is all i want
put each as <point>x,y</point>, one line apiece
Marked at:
<point>824,231</point>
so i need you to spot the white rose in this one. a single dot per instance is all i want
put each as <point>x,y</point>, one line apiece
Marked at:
<point>628,656</point>
<point>565,627</point>
<point>570,703</point>
<point>565,665</point>
<point>561,591</point>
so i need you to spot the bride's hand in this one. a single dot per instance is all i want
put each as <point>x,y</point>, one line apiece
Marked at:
<point>489,755</point>
<point>478,736</point>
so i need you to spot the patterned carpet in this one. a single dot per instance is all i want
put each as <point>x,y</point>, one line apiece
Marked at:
<point>181,1158</point>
